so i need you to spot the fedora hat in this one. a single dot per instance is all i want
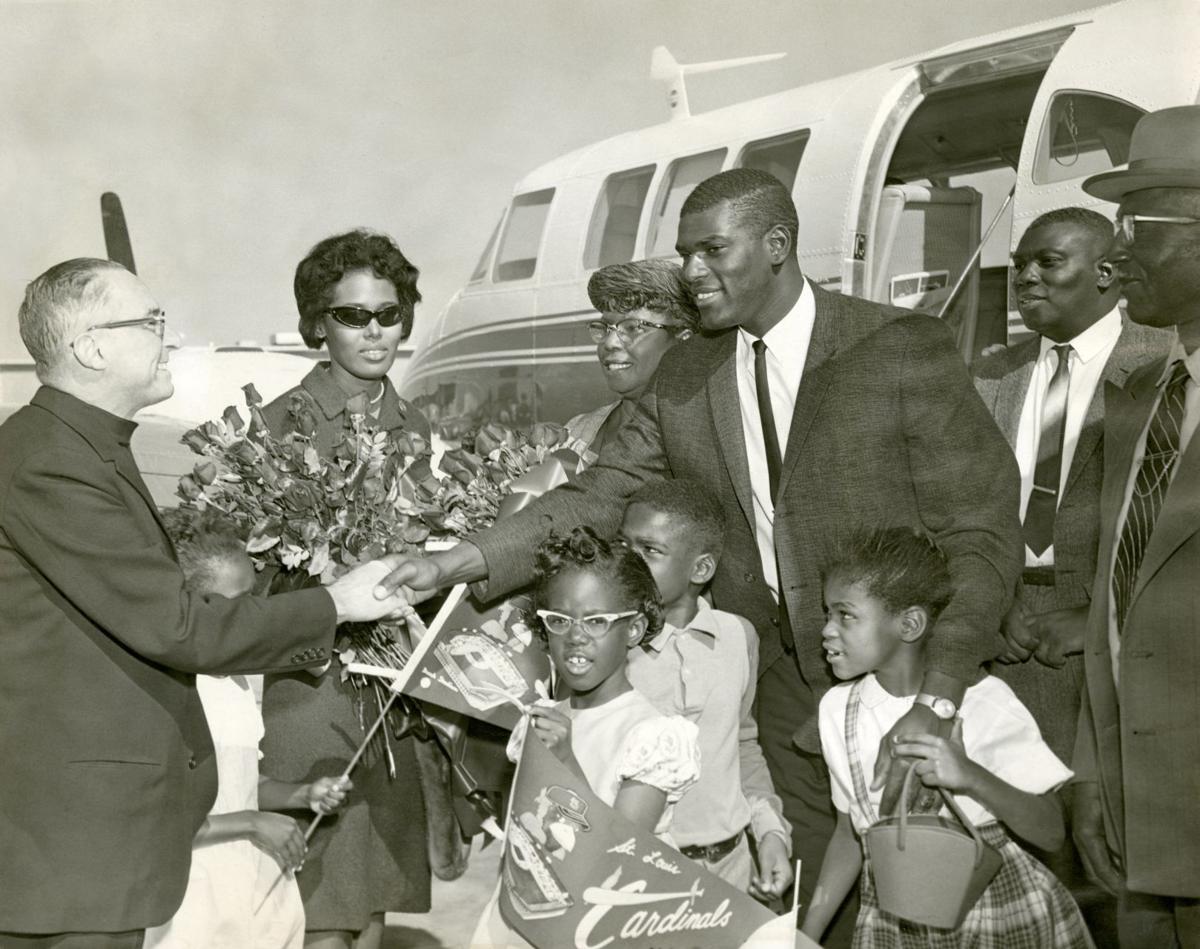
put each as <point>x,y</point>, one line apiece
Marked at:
<point>1164,153</point>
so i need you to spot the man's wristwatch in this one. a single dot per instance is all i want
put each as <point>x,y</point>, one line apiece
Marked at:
<point>943,708</point>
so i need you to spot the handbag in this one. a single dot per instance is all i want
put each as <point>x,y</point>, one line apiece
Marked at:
<point>928,869</point>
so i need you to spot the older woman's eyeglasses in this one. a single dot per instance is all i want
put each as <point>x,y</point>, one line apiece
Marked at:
<point>595,625</point>
<point>1124,224</point>
<point>359,318</point>
<point>627,330</point>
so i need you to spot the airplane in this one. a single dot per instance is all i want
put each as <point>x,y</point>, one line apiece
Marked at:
<point>914,181</point>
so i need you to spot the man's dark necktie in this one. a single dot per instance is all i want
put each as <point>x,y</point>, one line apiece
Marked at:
<point>1149,488</point>
<point>1047,474</point>
<point>767,416</point>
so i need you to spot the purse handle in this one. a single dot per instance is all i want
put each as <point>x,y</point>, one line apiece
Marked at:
<point>949,801</point>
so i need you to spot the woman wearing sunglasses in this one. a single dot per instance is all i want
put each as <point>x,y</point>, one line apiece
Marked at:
<point>356,293</point>
<point>645,310</point>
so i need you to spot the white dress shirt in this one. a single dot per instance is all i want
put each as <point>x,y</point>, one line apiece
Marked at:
<point>787,347</point>
<point>1089,355</point>
<point>1191,416</point>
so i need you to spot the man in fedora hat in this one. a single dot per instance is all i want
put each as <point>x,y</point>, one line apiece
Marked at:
<point>1137,774</point>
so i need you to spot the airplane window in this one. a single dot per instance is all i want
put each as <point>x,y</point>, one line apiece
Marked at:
<point>517,259</point>
<point>614,225</point>
<point>779,156</point>
<point>481,268</point>
<point>683,175</point>
<point>1085,133</point>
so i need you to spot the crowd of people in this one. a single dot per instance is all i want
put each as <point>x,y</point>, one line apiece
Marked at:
<point>813,554</point>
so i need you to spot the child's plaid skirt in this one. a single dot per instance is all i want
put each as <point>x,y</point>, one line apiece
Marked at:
<point>1024,907</point>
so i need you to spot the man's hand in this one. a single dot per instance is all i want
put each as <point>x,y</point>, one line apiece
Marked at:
<point>419,578</point>
<point>890,767</point>
<point>1020,638</point>
<point>1060,633</point>
<point>774,868</point>
<point>356,598</point>
<point>1087,827</point>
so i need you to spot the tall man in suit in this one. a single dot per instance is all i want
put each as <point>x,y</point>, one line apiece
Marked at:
<point>808,414</point>
<point>108,762</point>
<point>1139,729</point>
<point>1047,396</point>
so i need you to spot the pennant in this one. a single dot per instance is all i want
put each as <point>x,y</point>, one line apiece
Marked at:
<point>577,874</point>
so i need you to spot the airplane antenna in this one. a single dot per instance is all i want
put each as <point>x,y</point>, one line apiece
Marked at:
<point>665,68</point>
<point>116,234</point>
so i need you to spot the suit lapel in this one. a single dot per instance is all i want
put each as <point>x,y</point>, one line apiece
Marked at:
<point>1121,362</point>
<point>726,407</point>
<point>1013,387</point>
<point>814,383</point>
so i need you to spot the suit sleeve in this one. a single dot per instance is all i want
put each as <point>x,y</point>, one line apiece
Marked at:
<point>95,560</point>
<point>967,489</point>
<point>766,807</point>
<point>595,498</point>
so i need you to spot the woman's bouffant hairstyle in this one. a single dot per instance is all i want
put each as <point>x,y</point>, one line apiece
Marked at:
<point>655,285</point>
<point>584,550</point>
<point>319,272</point>
<point>202,540</point>
<point>897,565</point>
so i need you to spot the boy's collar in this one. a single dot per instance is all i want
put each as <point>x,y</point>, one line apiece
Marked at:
<point>705,621</point>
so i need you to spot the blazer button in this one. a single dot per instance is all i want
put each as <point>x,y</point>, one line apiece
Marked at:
<point>297,659</point>
<point>749,578</point>
<point>191,764</point>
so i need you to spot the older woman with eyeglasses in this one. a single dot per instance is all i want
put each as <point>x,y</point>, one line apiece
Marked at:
<point>645,309</point>
<point>356,293</point>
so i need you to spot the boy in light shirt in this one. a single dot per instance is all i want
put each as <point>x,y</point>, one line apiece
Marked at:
<point>703,665</point>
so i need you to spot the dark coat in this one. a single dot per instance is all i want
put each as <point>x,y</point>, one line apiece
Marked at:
<point>108,767</point>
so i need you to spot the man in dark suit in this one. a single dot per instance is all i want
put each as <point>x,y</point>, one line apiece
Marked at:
<point>1047,396</point>
<point>1138,781</point>
<point>108,763</point>
<point>859,415</point>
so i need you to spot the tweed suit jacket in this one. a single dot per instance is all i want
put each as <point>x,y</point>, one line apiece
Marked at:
<point>887,429</point>
<point>108,767</point>
<point>1003,381</point>
<point>1138,739</point>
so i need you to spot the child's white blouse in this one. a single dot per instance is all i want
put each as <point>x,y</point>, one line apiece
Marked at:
<point>999,733</point>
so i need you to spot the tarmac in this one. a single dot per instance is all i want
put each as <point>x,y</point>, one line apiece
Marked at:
<point>456,907</point>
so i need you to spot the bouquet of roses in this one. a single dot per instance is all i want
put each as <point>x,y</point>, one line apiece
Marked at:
<point>314,516</point>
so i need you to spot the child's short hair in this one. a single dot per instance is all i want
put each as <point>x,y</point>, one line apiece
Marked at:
<point>202,539</point>
<point>584,549</point>
<point>898,565</point>
<point>690,506</point>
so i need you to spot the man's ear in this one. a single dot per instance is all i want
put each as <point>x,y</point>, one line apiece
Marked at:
<point>779,244</point>
<point>703,569</point>
<point>87,352</point>
<point>1104,275</point>
<point>914,622</point>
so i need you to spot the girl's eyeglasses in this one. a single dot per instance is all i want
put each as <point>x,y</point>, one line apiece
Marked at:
<point>595,625</point>
<point>359,318</point>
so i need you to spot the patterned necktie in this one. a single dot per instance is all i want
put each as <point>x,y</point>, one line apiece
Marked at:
<point>767,417</point>
<point>1149,488</point>
<point>1047,474</point>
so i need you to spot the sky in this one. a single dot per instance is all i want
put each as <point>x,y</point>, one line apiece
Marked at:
<point>238,133</point>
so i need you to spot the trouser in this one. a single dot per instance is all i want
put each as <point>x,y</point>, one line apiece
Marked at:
<point>783,704</point>
<point>126,940</point>
<point>1146,921</point>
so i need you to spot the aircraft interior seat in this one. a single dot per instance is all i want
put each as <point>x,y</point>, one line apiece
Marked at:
<point>925,236</point>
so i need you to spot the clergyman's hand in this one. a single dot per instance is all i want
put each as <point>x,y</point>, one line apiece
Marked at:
<point>1060,633</point>
<point>356,598</point>
<point>891,767</point>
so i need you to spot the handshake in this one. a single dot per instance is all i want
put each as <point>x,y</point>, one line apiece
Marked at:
<point>389,587</point>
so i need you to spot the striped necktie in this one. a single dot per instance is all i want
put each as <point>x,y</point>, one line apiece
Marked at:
<point>1149,488</point>
<point>1047,474</point>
